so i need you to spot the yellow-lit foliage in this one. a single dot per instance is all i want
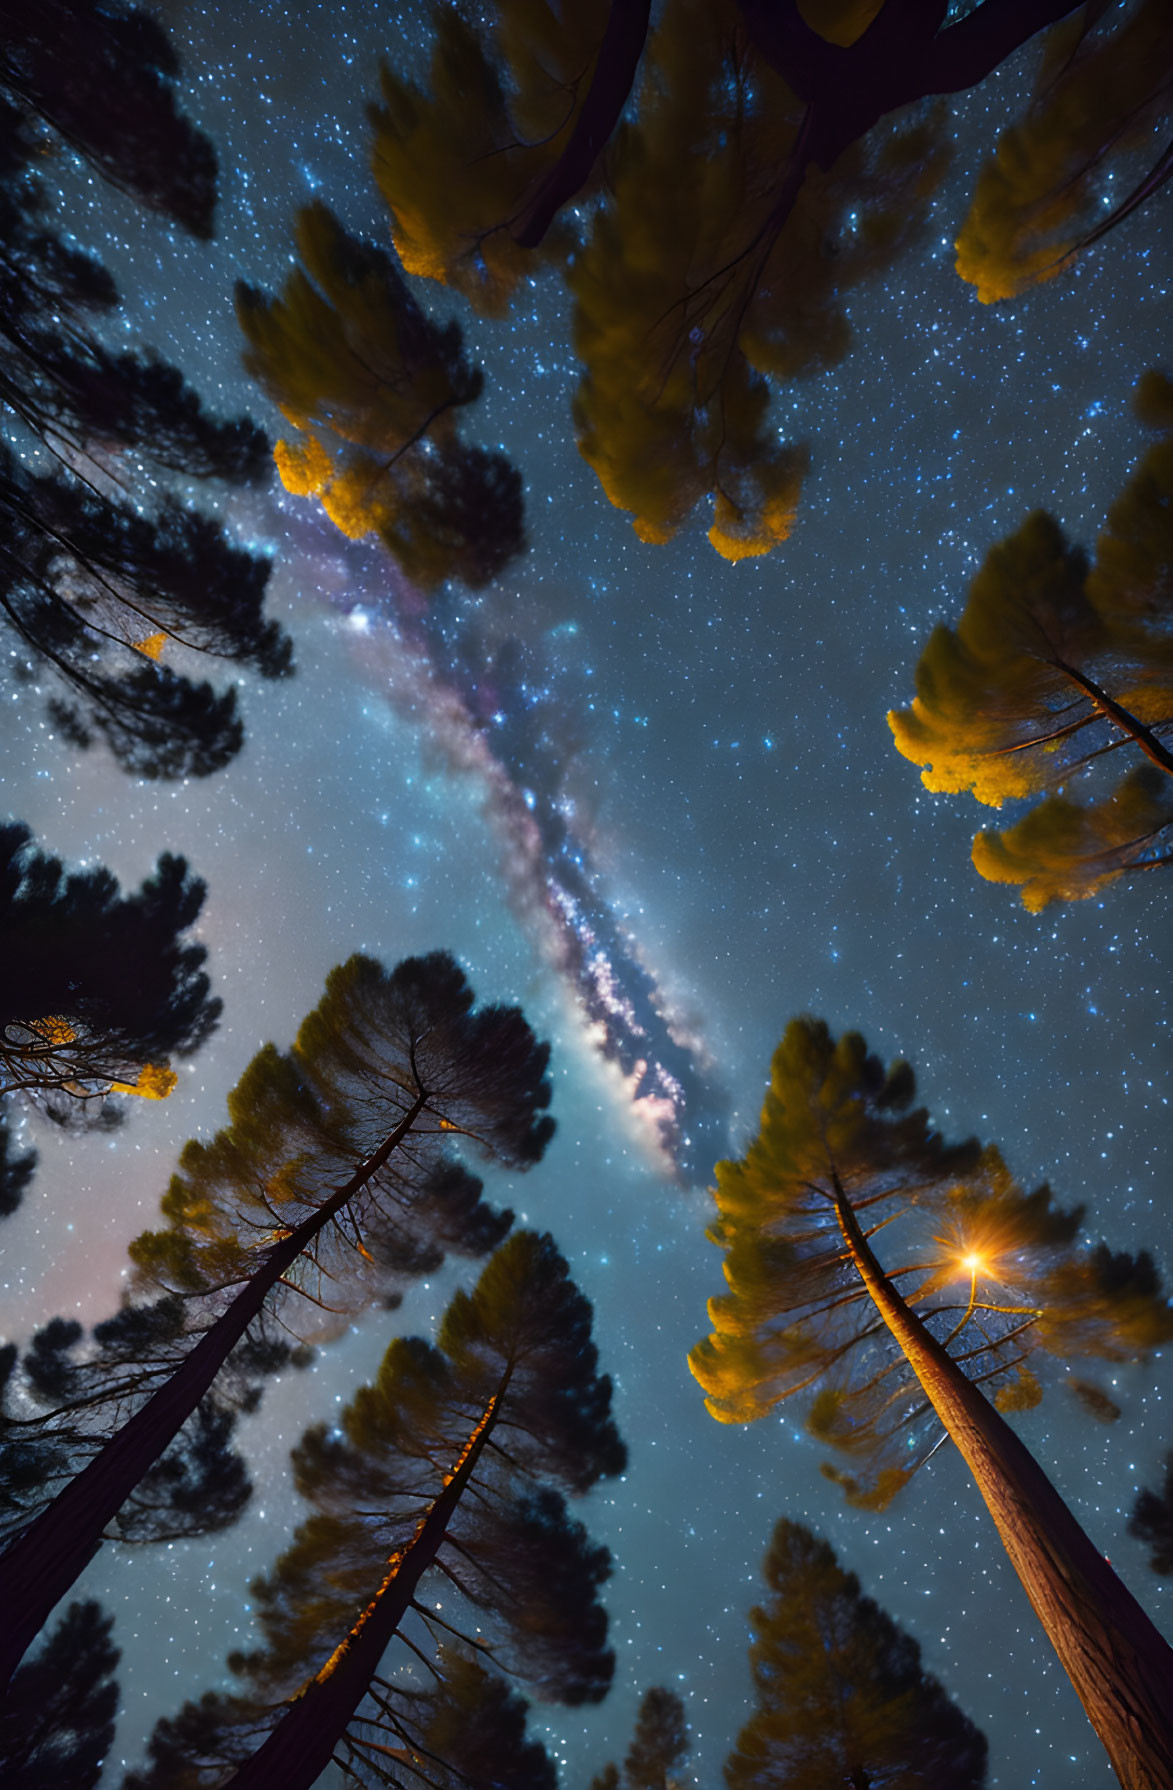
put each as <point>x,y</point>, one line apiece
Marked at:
<point>990,693</point>
<point>1054,667</point>
<point>1101,95</point>
<point>456,162</point>
<point>373,387</point>
<point>688,294</point>
<point>1022,1392</point>
<point>839,21</point>
<point>155,1081</point>
<point>338,352</point>
<point>839,1134</point>
<point>1069,851</point>
<point>54,1030</point>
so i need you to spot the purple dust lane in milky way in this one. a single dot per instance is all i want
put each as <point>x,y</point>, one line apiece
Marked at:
<point>512,712</point>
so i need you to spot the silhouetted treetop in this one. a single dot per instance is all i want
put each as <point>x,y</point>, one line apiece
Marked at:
<point>57,1724</point>
<point>17,1168</point>
<point>842,1696</point>
<point>1152,1521</point>
<point>111,99</point>
<point>660,1742</point>
<point>1056,666</point>
<point>63,1399</point>
<point>99,989</point>
<point>97,587</point>
<point>373,388</point>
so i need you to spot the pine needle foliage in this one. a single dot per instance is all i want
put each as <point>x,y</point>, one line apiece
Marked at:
<point>842,1696</point>
<point>1059,674</point>
<point>512,1585</point>
<point>999,1276</point>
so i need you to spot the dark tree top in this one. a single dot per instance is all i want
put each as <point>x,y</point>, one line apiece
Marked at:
<point>842,1696</point>
<point>112,99</point>
<point>16,1169</point>
<point>97,590</point>
<point>96,986</point>
<point>1152,1521</point>
<point>57,1723</point>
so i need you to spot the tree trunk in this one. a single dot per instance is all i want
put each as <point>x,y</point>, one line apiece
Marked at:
<point>302,1744</point>
<point>1120,1666</point>
<point>42,1564</point>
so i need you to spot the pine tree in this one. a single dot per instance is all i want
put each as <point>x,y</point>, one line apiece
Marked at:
<point>1152,1521</point>
<point>713,186</point>
<point>1057,666</point>
<point>1103,92</point>
<point>448,1473</point>
<point>58,1723</point>
<point>842,1697</point>
<point>373,388</point>
<point>330,1185</point>
<point>16,1170</point>
<point>144,145</point>
<point>98,990</point>
<point>987,1281</point>
<point>660,1743</point>
<point>95,585</point>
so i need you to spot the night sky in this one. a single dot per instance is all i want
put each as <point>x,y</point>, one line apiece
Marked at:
<point>747,845</point>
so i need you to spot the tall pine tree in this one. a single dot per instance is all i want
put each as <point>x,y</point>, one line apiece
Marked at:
<point>438,1516</point>
<point>842,1697</point>
<point>980,1283</point>
<point>331,1183</point>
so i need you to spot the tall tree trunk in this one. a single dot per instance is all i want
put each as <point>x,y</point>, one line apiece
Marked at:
<point>41,1565</point>
<point>1120,1666</point>
<point>303,1742</point>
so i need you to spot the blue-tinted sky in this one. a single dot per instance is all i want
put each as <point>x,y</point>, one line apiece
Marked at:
<point>754,847</point>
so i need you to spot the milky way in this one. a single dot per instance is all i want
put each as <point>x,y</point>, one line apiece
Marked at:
<point>512,713</point>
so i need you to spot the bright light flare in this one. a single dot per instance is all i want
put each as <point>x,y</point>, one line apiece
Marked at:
<point>973,1264</point>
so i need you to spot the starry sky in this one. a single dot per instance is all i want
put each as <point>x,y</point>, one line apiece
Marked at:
<point>652,797</point>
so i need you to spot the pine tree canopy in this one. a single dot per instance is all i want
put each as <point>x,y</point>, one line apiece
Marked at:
<point>514,1583</point>
<point>1152,1521</point>
<point>999,1276</point>
<point>714,185</point>
<point>842,1697</point>
<point>108,596</point>
<point>373,388</point>
<point>382,1046</point>
<point>1058,670</point>
<point>57,1724</point>
<point>98,990</point>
